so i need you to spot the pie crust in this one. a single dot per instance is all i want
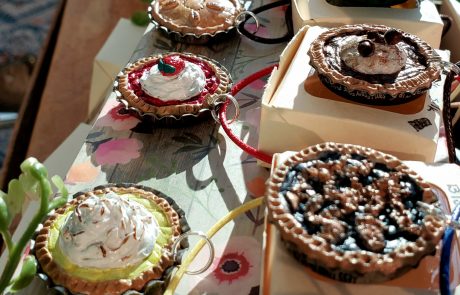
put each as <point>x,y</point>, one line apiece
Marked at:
<point>360,233</point>
<point>193,106</point>
<point>196,17</point>
<point>415,79</point>
<point>78,285</point>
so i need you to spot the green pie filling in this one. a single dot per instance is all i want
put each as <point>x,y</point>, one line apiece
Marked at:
<point>98,274</point>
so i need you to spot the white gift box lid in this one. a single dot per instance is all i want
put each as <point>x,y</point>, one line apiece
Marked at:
<point>423,21</point>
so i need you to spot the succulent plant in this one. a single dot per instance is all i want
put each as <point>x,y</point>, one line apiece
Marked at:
<point>33,184</point>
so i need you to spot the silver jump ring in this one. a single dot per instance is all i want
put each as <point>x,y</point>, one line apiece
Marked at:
<point>210,247</point>
<point>449,66</point>
<point>221,99</point>
<point>241,18</point>
<point>446,66</point>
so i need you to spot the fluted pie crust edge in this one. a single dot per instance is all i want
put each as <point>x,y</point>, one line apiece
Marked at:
<point>78,285</point>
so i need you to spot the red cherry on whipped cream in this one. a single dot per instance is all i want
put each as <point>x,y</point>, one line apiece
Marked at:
<point>171,65</point>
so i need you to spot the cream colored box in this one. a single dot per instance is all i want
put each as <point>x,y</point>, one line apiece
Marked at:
<point>423,21</point>
<point>450,40</point>
<point>292,118</point>
<point>112,57</point>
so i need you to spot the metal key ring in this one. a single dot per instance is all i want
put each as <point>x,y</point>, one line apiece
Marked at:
<point>208,242</point>
<point>288,17</point>
<point>242,18</point>
<point>220,99</point>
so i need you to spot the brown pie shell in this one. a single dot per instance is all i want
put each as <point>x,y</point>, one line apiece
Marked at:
<point>76,285</point>
<point>194,17</point>
<point>133,102</point>
<point>352,266</point>
<point>363,91</point>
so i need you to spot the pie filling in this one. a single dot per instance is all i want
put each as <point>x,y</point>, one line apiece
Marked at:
<point>354,203</point>
<point>109,237</point>
<point>191,86</point>
<point>389,64</point>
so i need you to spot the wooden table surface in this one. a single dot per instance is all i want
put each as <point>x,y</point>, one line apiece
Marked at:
<point>196,164</point>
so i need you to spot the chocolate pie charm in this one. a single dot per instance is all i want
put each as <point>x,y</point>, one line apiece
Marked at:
<point>374,64</point>
<point>352,212</point>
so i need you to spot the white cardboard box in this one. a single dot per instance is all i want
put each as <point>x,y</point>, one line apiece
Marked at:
<point>282,274</point>
<point>450,40</point>
<point>292,118</point>
<point>112,57</point>
<point>423,21</point>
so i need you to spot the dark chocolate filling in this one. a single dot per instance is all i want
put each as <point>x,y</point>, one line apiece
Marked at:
<point>353,202</point>
<point>415,63</point>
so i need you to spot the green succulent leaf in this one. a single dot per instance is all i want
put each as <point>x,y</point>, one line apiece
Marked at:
<point>62,190</point>
<point>59,183</point>
<point>27,164</point>
<point>39,171</point>
<point>28,271</point>
<point>4,215</point>
<point>140,18</point>
<point>33,183</point>
<point>15,198</point>
<point>29,185</point>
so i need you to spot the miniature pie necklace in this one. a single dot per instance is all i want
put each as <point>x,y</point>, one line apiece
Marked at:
<point>197,22</point>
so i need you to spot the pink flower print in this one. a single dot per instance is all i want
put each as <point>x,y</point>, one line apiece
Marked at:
<point>235,269</point>
<point>258,84</point>
<point>110,104</point>
<point>82,172</point>
<point>280,11</point>
<point>262,32</point>
<point>118,118</point>
<point>252,117</point>
<point>118,151</point>
<point>256,187</point>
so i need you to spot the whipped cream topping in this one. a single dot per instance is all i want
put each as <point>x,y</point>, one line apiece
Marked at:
<point>187,84</point>
<point>386,59</point>
<point>108,232</point>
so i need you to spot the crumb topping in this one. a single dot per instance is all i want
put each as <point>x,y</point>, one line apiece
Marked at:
<point>354,203</point>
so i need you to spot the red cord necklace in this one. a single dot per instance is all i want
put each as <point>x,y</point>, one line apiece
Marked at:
<point>223,115</point>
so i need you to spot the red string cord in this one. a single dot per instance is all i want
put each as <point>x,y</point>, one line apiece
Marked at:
<point>223,115</point>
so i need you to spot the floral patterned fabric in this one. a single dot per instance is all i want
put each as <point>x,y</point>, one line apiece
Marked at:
<point>195,163</point>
